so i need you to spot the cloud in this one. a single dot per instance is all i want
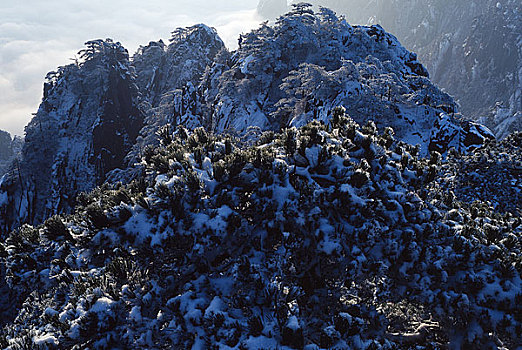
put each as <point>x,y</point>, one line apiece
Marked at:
<point>37,36</point>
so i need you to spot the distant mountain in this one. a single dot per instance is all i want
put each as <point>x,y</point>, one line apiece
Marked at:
<point>99,114</point>
<point>10,148</point>
<point>472,49</point>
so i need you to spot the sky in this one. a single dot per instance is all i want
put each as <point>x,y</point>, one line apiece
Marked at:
<point>37,36</point>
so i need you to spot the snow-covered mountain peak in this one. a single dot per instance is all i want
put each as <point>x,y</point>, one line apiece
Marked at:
<point>193,198</point>
<point>306,64</point>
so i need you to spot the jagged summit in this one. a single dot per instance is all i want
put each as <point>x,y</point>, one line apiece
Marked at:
<point>167,75</point>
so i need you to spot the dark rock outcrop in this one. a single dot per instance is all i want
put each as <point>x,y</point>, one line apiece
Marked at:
<point>86,124</point>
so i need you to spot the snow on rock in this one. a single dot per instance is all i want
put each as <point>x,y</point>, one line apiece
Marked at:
<point>45,339</point>
<point>135,314</point>
<point>10,148</point>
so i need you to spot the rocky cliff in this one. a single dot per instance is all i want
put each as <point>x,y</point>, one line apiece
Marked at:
<point>86,124</point>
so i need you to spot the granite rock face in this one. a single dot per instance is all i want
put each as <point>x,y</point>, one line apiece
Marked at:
<point>10,148</point>
<point>86,124</point>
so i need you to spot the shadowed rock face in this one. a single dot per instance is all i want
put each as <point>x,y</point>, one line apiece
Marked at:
<point>118,128</point>
<point>86,124</point>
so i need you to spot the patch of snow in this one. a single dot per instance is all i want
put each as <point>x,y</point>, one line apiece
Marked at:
<point>103,304</point>
<point>42,340</point>
<point>135,314</point>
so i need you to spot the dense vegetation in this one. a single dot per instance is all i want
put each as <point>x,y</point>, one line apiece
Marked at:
<point>323,236</point>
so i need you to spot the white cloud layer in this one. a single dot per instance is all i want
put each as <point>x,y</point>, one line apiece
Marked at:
<point>37,36</point>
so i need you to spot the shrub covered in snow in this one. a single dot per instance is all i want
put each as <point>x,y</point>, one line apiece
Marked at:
<point>315,237</point>
<point>492,174</point>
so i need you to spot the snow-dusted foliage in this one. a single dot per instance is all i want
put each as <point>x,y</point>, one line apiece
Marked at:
<point>492,174</point>
<point>307,63</point>
<point>85,126</point>
<point>316,237</point>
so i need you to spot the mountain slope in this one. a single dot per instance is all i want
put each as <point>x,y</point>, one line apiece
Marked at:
<point>95,112</point>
